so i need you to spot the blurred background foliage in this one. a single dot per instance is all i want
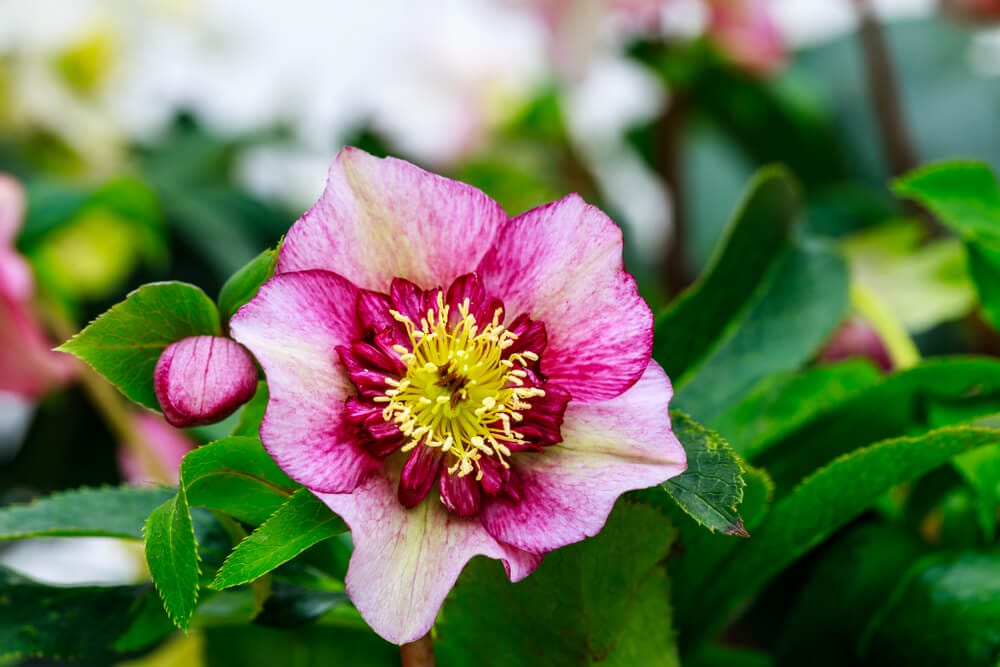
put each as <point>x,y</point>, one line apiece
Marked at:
<point>171,139</point>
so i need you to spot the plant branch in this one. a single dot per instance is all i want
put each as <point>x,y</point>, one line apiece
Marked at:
<point>668,159</point>
<point>883,87</point>
<point>419,653</point>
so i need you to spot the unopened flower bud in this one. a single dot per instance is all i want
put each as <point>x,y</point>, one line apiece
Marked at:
<point>203,379</point>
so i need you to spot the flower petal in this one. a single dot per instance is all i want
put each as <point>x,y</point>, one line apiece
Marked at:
<point>16,282</point>
<point>608,448</point>
<point>562,264</point>
<point>384,218</point>
<point>293,327</point>
<point>406,561</point>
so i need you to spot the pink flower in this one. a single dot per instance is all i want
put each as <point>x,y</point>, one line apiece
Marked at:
<point>974,10</point>
<point>203,379</point>
<point>453,382</point>
<point>166,444</point>
<point>744,30</point>
<point>28,366</point>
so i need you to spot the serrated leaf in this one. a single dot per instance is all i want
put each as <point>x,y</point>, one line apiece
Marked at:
<point>297,525</point>
<point>689,574</point>
<point>601,601</point>
<point>243,285</point>
<point>711,488</point>
<point>80,622</point>
<point>125,343</point>
<point>756,236</point>
<point>109,512</point>
<point>236,476</point>
<point>816,508</point>
<point>172,557</point>
<point>947,614</point>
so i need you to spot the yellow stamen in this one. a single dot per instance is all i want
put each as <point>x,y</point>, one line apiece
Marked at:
<point>460,394</point>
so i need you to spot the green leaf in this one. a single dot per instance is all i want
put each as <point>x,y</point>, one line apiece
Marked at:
<point>981,470</point>
<point>236,476</point>
<point>712,486</point>
<point>759,231</point>
<point>781,403</point>
<point>855,577</point>
<point>946,614</point>
<point>604,600</point>
<point>984,264</point>
<point>125,343</point>
<point>965,196</point>
<point>816,508</point>
<point>798,309</point>
<point>252,413</point>
<point>898,406</point>
<point>109,512</point>
<point>315,646</point>
<point>63,622</point>
<point>297,525</point>
<point>172,557</point>
<point>689,574</point>
<point>243,285</point>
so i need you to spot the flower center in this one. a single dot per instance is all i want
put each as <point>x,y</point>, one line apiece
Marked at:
<point>462,392</point>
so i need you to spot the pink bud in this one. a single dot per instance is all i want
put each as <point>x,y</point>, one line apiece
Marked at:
<point>856,338</point>
<point>203,379</point>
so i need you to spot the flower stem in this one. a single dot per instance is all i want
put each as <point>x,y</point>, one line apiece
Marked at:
<point>669,157</point>
<point>419,653</point>
<point>112,407</point>
<point>883,86</point>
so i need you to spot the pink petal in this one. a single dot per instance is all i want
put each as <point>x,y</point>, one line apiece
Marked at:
<point>293,326</point>
<point>562,264</point>
<point>745,30</point>
<point>203,379</point>
<point>11,209</point>
<point>608,448</point>
<point>384,218</point>
<point>15,276</point>
<point>28,366</point>
<point>406,561</point>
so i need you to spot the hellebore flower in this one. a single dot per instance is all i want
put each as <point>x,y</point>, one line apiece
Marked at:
<point>986,11</point>
<point>452,382</point>
<point>28,366</point>
<point>745,31</point>
<point>203,379</point>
